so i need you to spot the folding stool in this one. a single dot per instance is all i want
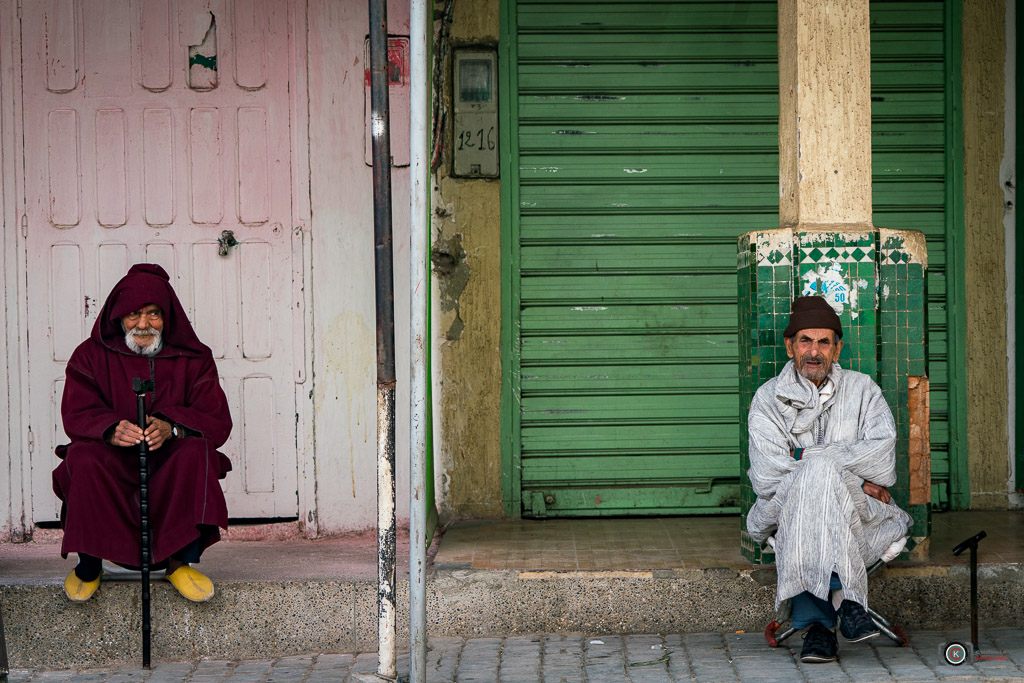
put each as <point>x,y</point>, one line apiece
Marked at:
<point>774,638</point>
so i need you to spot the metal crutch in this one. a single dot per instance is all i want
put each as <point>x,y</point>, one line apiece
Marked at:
<point>140,387</point>
<point>972,543</point>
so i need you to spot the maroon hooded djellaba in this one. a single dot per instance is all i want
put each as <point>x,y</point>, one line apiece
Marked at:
<point>99,483</point>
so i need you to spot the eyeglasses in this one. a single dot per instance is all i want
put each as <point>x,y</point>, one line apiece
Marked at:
<point>151,315</point>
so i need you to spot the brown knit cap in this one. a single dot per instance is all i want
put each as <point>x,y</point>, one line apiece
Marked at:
<point>812,313</point>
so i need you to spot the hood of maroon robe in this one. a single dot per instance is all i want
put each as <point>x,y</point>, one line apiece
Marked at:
<point>147,283</point>
<point>98,382</point>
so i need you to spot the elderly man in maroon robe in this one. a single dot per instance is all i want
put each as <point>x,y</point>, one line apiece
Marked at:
<point>142,331</point>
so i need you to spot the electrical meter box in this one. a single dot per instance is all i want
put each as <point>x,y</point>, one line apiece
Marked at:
<point>475,147</point>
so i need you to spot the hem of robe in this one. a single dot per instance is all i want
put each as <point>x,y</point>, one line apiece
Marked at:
<point>824,478</point>
<point>117,537</point>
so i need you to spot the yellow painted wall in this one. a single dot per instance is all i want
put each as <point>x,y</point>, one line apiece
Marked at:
<point>984,57</point>
<point>466,253</point>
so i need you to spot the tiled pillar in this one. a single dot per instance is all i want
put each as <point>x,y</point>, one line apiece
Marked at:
<point>902,261</point>
<point>874,279</point>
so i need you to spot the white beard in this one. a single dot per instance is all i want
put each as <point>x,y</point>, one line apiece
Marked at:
<point>151,350</point>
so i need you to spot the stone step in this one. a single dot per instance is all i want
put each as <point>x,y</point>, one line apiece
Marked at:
<point>274,617</point>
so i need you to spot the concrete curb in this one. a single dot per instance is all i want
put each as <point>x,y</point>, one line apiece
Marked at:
<point>251,620</point>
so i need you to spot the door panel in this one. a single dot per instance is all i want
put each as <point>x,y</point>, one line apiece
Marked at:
<point>128,158</point>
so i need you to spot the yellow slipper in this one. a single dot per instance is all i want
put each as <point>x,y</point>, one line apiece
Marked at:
<point>191,583</point>
<point>78,590</point>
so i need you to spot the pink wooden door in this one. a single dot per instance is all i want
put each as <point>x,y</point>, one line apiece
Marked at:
<point>150,127</point>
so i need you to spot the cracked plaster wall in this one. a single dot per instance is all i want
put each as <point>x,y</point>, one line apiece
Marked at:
<point>466,261</point>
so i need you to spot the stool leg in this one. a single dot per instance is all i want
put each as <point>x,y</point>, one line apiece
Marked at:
<point>888,628</point>
<point>878,618</point>
<point>771,638</point>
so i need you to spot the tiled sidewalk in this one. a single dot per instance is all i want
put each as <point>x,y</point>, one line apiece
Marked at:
<point>604,659</point>
<point>679,542</point>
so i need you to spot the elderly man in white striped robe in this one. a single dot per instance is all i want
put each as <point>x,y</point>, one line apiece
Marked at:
<point>822,452</point>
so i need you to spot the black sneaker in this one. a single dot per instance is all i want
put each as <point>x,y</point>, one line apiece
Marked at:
<point>854,622</point>
<point>820,645</point>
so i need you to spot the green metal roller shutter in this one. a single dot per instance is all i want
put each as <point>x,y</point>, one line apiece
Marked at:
<point>643,141</point>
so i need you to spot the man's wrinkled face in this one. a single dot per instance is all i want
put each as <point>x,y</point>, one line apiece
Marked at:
<point>143,329</point>
<point>813,352</point>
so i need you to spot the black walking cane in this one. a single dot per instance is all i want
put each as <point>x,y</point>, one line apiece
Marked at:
<point>140,387</point>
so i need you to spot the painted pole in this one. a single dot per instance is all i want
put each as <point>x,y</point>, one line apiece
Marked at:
<point>385,297</point>
<point>419,141</point>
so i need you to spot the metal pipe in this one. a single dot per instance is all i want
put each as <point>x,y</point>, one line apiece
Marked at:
<point>385,303</point>
<point>4,668</point>
<point>419,178</point>
<point>387,620</point>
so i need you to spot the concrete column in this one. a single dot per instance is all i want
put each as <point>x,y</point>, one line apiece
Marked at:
<point>824,113</point>
<point>984,98</point>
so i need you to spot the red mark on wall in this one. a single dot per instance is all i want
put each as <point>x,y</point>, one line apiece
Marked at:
<point>398,62</point>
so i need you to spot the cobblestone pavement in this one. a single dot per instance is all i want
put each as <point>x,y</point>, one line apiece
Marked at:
<point>603,658</point>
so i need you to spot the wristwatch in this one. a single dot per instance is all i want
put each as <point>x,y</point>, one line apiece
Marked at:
<point>175,433</point>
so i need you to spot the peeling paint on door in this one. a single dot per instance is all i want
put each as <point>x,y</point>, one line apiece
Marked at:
<point>202,59</point>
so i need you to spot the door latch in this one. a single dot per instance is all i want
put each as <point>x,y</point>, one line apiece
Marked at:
<point>226,241</point>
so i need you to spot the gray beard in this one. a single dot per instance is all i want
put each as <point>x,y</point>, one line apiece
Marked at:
<point>151,350</point>
<point>810,373</point>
